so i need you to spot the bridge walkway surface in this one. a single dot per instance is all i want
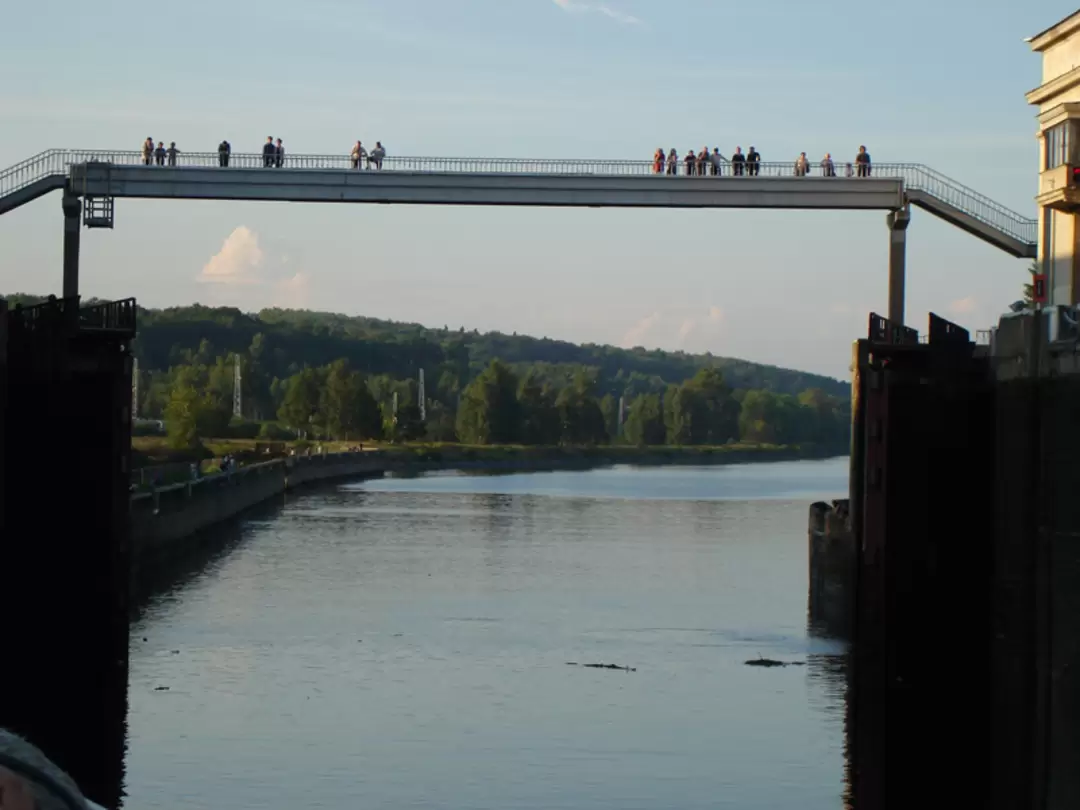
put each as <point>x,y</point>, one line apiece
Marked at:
<point>102,175</point>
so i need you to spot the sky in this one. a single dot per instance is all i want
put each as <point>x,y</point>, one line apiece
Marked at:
<point>921,82</point>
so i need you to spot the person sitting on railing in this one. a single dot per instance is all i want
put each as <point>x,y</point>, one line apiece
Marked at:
<point>673,162</point>
<point>172,153</point>
<point>658,162</point>
<point>148,152</point>
<point>802,165</point>
<point>753,162</point>
<point>377,154</point>
<point>738,162</point>
<point>717,161</point>
<point>269,152</point>
<point>358,154</point>
<point>862,162</point>
<point>159,153</point>
<point>703,161</point>
<point>279,154</point>
<point>828,169</point>
<point>223,151</point>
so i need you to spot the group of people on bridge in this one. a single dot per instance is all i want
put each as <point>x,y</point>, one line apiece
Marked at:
<point>713,163</point>
<point>273,154</point>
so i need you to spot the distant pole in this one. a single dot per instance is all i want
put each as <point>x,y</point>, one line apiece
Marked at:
<point>622,416</point>
<point>237,401</point>
<point>394,408</point>
<point>135,389</point>
<point>423,399</point>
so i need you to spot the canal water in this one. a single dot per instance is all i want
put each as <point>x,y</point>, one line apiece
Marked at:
<point>404,643</point>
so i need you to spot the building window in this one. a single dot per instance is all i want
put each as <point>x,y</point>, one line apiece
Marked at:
<point>1059,144</point>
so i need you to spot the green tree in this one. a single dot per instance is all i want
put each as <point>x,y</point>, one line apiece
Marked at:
<point>182,413</point>
<point>540,416</point>
<point>609,408</point>
<point>347,408</point>
<point>701,411</point>
<point>645,421</point>
<point>1029,287</point>
<point>489,412</point>
<point>300,403</point>
<point>440,425</point>
<point>580,415</point>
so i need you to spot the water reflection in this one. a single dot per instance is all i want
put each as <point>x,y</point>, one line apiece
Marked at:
<point>831,672</point>
<point>406,642</point>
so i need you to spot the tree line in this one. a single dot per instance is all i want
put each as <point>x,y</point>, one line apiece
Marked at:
<point>324,374</point>
<point>498,406</point>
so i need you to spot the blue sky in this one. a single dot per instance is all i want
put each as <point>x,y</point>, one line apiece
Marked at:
<point>929,82</point>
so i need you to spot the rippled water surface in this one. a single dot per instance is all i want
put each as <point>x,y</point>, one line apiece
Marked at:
<point>403,643</point>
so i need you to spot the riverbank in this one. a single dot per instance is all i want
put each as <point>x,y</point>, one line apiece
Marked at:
<point>154,452</point>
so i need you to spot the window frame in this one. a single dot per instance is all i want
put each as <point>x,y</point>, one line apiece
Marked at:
<point>1060,145</point>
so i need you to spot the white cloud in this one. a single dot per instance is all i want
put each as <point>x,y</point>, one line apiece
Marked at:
<point>293,292</point>
<point>685,329</point>
<point>243,273</point>
<point>963,306</point>
<point>682,328</point>
<point>238,261</point>
<point>575,7</point>
<point>640,329</point>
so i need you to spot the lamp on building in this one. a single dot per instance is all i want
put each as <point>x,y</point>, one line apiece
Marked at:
<point>1074,178</point>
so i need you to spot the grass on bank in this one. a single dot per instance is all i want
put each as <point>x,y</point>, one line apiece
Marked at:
<point>154,450</point>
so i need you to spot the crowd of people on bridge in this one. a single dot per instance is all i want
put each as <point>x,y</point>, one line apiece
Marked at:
<point>695,163</point>
<point>739,165</point>
<point>273,154</point>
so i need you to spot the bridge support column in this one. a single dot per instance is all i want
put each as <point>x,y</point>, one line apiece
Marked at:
<point>72,206</point>
<point>898,222</point>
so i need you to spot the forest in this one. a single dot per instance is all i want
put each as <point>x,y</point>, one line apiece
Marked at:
<point>324,375</point>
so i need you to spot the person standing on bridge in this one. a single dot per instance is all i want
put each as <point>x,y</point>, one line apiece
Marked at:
<point>148,151</point>
<point>738,162</point>
<point>753,162</point>
<point>802,165</point>
<point>717,161</point>
<point>279,154</point>
<point>377,155</point>
<point>223,152</point>
<point>828,169</point>
<point>159,153</point>
<point>862,162</point>
<point>673,162</point>
<point>358,154</point>
<point>269,153</point>
<point>172,153</point>
<point>658,161</point>
<point>691,161</point>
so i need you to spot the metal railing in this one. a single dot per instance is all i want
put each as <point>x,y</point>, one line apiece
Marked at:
<point>915,176</point>
<point>174,496</point>
<point>113,316</point>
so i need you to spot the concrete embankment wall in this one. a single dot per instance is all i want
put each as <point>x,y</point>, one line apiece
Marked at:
<point>163,520</point>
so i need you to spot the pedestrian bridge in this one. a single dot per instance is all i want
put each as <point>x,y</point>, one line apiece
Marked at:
<point>91,180</point>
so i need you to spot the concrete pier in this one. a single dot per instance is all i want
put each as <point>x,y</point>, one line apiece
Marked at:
<point>832,568</point>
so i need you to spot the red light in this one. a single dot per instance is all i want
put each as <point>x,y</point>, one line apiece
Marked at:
<point>1076,175</point>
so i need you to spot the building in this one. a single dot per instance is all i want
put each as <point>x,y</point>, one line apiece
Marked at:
<point>1058,100</point>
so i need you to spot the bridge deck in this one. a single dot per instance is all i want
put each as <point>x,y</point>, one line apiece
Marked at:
<point>490,181</point>
<point>478,188</point>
